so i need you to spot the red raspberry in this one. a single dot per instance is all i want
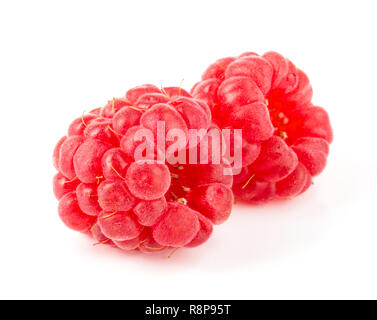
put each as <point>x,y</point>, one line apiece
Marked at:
<point>255,191</point>
<point>149,211</point>
<point>99,236</point>
<point>205,231</point>
<point>114,164</point>
<point>113,106</point>
<point>88,199</point>
<point>134,94</point>
<point>276,160</point>
<point>294,183</point>
<point>113,195</point>
<point>217,69</point>
<point>149,99</point>
<point>56,153</point>
<point>254,120</point>
<point>166,113</point>
<point>131,244</point>
<point>62,185</point>
<point>148,181</point>
<point>120,225</point>
<point>269,98</point>
<point>77,127</point>
<point>147,244</point>
<point>174,92</point>
<point>71,214</point>
<point>100,129</point>
<point>132,204</point>
<point>128,143</point>
<point>206,90</point>
<point>66,152</point>
<point>312,153</point>
<point>201,198</point>
<point>252,67</point>
<point>126,118</point>
<point>236,92</point>
<point>87,160</point>
<point>178,227</point>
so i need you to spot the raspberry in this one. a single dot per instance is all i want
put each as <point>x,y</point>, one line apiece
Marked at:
<point>255,191</point>
<point>149,99</point>
<point>253,67</point>
<point>166,113</point>
<point>88,199</point>
<point>62,185</point>
<point>148,204</point>
<point>148,181</point>
<point>128,143</point>
<point>113,106</point>
<point>279,66</point>
<point>302,94</point>
<point>254,120</point>
<point>236,92</point>
<point>119,225</point>
<point>125,118</point>
<point>149,245</point>
<point>269,98</point>
<point>114,164</point>
<point>56,153</point>
<point>212,201</point>
<point>206,91</point>
<point>276,161</point>
<point>192,112</point>
<point>78,125</point>
<point>67,151</point>
<point>290,80</point>
<point>134,94</point>
<point>294,183</point>
<point>205,108</point>
<point>178,227</point>
<point>148,212</point>
<point>173,92</point>
<point>246,54</point>
<point>87,160</point>
<point>100,129</point>
<point>312,153</point>
<point>71,214</point>
<point>308,183</point>
<point>200,174</point>
<point>217,69</point>
<point>243,176</point>
<point>204,233</point>
<point>311,121</point>
<point>99,236</point>
<point>114,196</point>
<point>131,244</point>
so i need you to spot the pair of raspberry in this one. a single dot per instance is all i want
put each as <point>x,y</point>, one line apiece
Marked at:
<point>152,206</point>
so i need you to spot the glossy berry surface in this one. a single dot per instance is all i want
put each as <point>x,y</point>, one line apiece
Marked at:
<point>135,204</point>
<point>285,137</point>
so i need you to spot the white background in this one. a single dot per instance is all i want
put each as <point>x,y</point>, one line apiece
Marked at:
<point>60,58</point>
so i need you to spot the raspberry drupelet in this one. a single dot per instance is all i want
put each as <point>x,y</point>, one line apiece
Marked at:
<point>269,98</point>
<point>132,204</point>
